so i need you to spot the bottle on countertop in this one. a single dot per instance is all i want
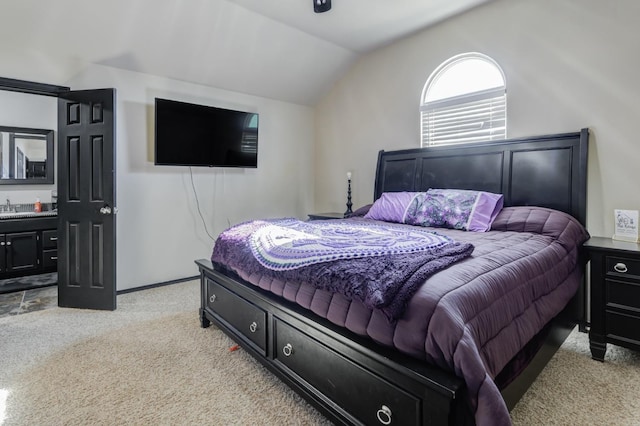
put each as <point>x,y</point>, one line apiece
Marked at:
<point>37,207</point>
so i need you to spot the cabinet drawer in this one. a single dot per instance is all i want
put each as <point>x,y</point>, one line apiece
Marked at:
<point>50,239</point>
<point>623,266</point>
<point>623,327</point>
<point>246,318</point>
<point>623,294</point>
<point>364,395</point>
<point>49,258</point>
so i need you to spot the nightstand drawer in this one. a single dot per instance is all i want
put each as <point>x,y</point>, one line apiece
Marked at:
<point>623,327</point>
<point>622,294</point>
<point>623,266</point>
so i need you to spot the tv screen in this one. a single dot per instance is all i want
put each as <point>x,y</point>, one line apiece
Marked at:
<point>198,135</point>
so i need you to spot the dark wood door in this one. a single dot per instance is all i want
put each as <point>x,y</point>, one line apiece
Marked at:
<point>86,196</point>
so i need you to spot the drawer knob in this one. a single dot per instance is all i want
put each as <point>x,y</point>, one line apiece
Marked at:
<point>287,350</point>
<point>212,298</point>
<point>253,327</point>
<point>384,415</point>
<point>620,267</point>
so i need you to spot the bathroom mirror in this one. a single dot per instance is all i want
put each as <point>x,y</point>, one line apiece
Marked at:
<point>26,156</point>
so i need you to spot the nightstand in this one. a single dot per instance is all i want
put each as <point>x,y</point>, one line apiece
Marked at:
<point>615,294</point>
<point>324,216</point>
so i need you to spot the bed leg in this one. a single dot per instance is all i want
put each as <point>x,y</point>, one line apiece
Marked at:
<point>204,321</point>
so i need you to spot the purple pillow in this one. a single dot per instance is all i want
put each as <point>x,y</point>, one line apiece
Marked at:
<point>391,206</point>
<point>454,208</point>
<point>359,212</point>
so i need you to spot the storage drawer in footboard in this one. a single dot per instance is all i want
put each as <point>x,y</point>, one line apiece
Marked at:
<point>248,320</point>
<point>365,397</point>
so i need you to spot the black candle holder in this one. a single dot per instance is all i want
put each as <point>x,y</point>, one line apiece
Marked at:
<point>349,203</point>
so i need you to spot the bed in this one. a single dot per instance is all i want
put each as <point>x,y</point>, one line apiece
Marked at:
<point>464,343</point>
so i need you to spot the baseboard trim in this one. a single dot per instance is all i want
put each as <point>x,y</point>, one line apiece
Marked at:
<point>161,284</point>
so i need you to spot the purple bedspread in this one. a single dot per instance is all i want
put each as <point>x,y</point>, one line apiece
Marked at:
<point>474,316</point>
<point>379,264</point>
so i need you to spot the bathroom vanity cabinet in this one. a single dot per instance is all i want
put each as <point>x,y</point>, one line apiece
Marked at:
<point>28,246</point>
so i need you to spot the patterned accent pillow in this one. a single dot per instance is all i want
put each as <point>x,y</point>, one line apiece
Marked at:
<point>454,208</point>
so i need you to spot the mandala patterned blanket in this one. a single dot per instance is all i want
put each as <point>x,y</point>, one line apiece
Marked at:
<point>380,264</point>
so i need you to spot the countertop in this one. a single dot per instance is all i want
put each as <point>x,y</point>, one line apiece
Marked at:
<point>27,215</point>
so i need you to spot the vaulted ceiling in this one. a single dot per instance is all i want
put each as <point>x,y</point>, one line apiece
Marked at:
<point>278,49</point>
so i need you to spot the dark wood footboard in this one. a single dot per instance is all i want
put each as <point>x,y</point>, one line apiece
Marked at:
<point>348,378</point>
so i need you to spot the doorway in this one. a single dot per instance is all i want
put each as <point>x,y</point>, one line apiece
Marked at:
<point>86,240</point>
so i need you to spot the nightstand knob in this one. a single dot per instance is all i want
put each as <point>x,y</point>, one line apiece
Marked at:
<point>253,327</point>
<point>384,415</point>
<point>620,267</point>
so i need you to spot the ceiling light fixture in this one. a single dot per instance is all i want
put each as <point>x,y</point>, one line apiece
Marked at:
<point>320,6</point>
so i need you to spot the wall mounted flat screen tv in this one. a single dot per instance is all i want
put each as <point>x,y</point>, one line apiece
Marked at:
<point>198,135</point>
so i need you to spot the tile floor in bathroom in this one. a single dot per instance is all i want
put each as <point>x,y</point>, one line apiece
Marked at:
<point>21,302</point>
<point>15,301</point>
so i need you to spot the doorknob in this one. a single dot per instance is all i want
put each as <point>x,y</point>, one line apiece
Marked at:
<point>105,210</point>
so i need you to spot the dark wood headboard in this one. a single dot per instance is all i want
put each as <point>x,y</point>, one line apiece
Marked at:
<point>546,171</point>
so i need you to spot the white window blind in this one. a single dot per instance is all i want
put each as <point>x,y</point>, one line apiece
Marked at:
<point>463,117</point>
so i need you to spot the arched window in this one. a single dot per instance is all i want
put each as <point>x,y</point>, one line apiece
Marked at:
<point>464,100</point>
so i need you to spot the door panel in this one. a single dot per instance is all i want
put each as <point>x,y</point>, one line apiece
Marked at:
<point>73,168</point>
<point>72,251</point>
<point>97,267</point>
<point>86,197</point>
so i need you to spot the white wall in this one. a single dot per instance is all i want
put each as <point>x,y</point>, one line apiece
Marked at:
<point>159,229</point>
<point>569,64</point>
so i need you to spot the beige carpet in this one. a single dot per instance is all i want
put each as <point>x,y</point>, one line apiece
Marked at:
<point>123,368</point>
<point>574,389</point>
<point>165,372</point>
